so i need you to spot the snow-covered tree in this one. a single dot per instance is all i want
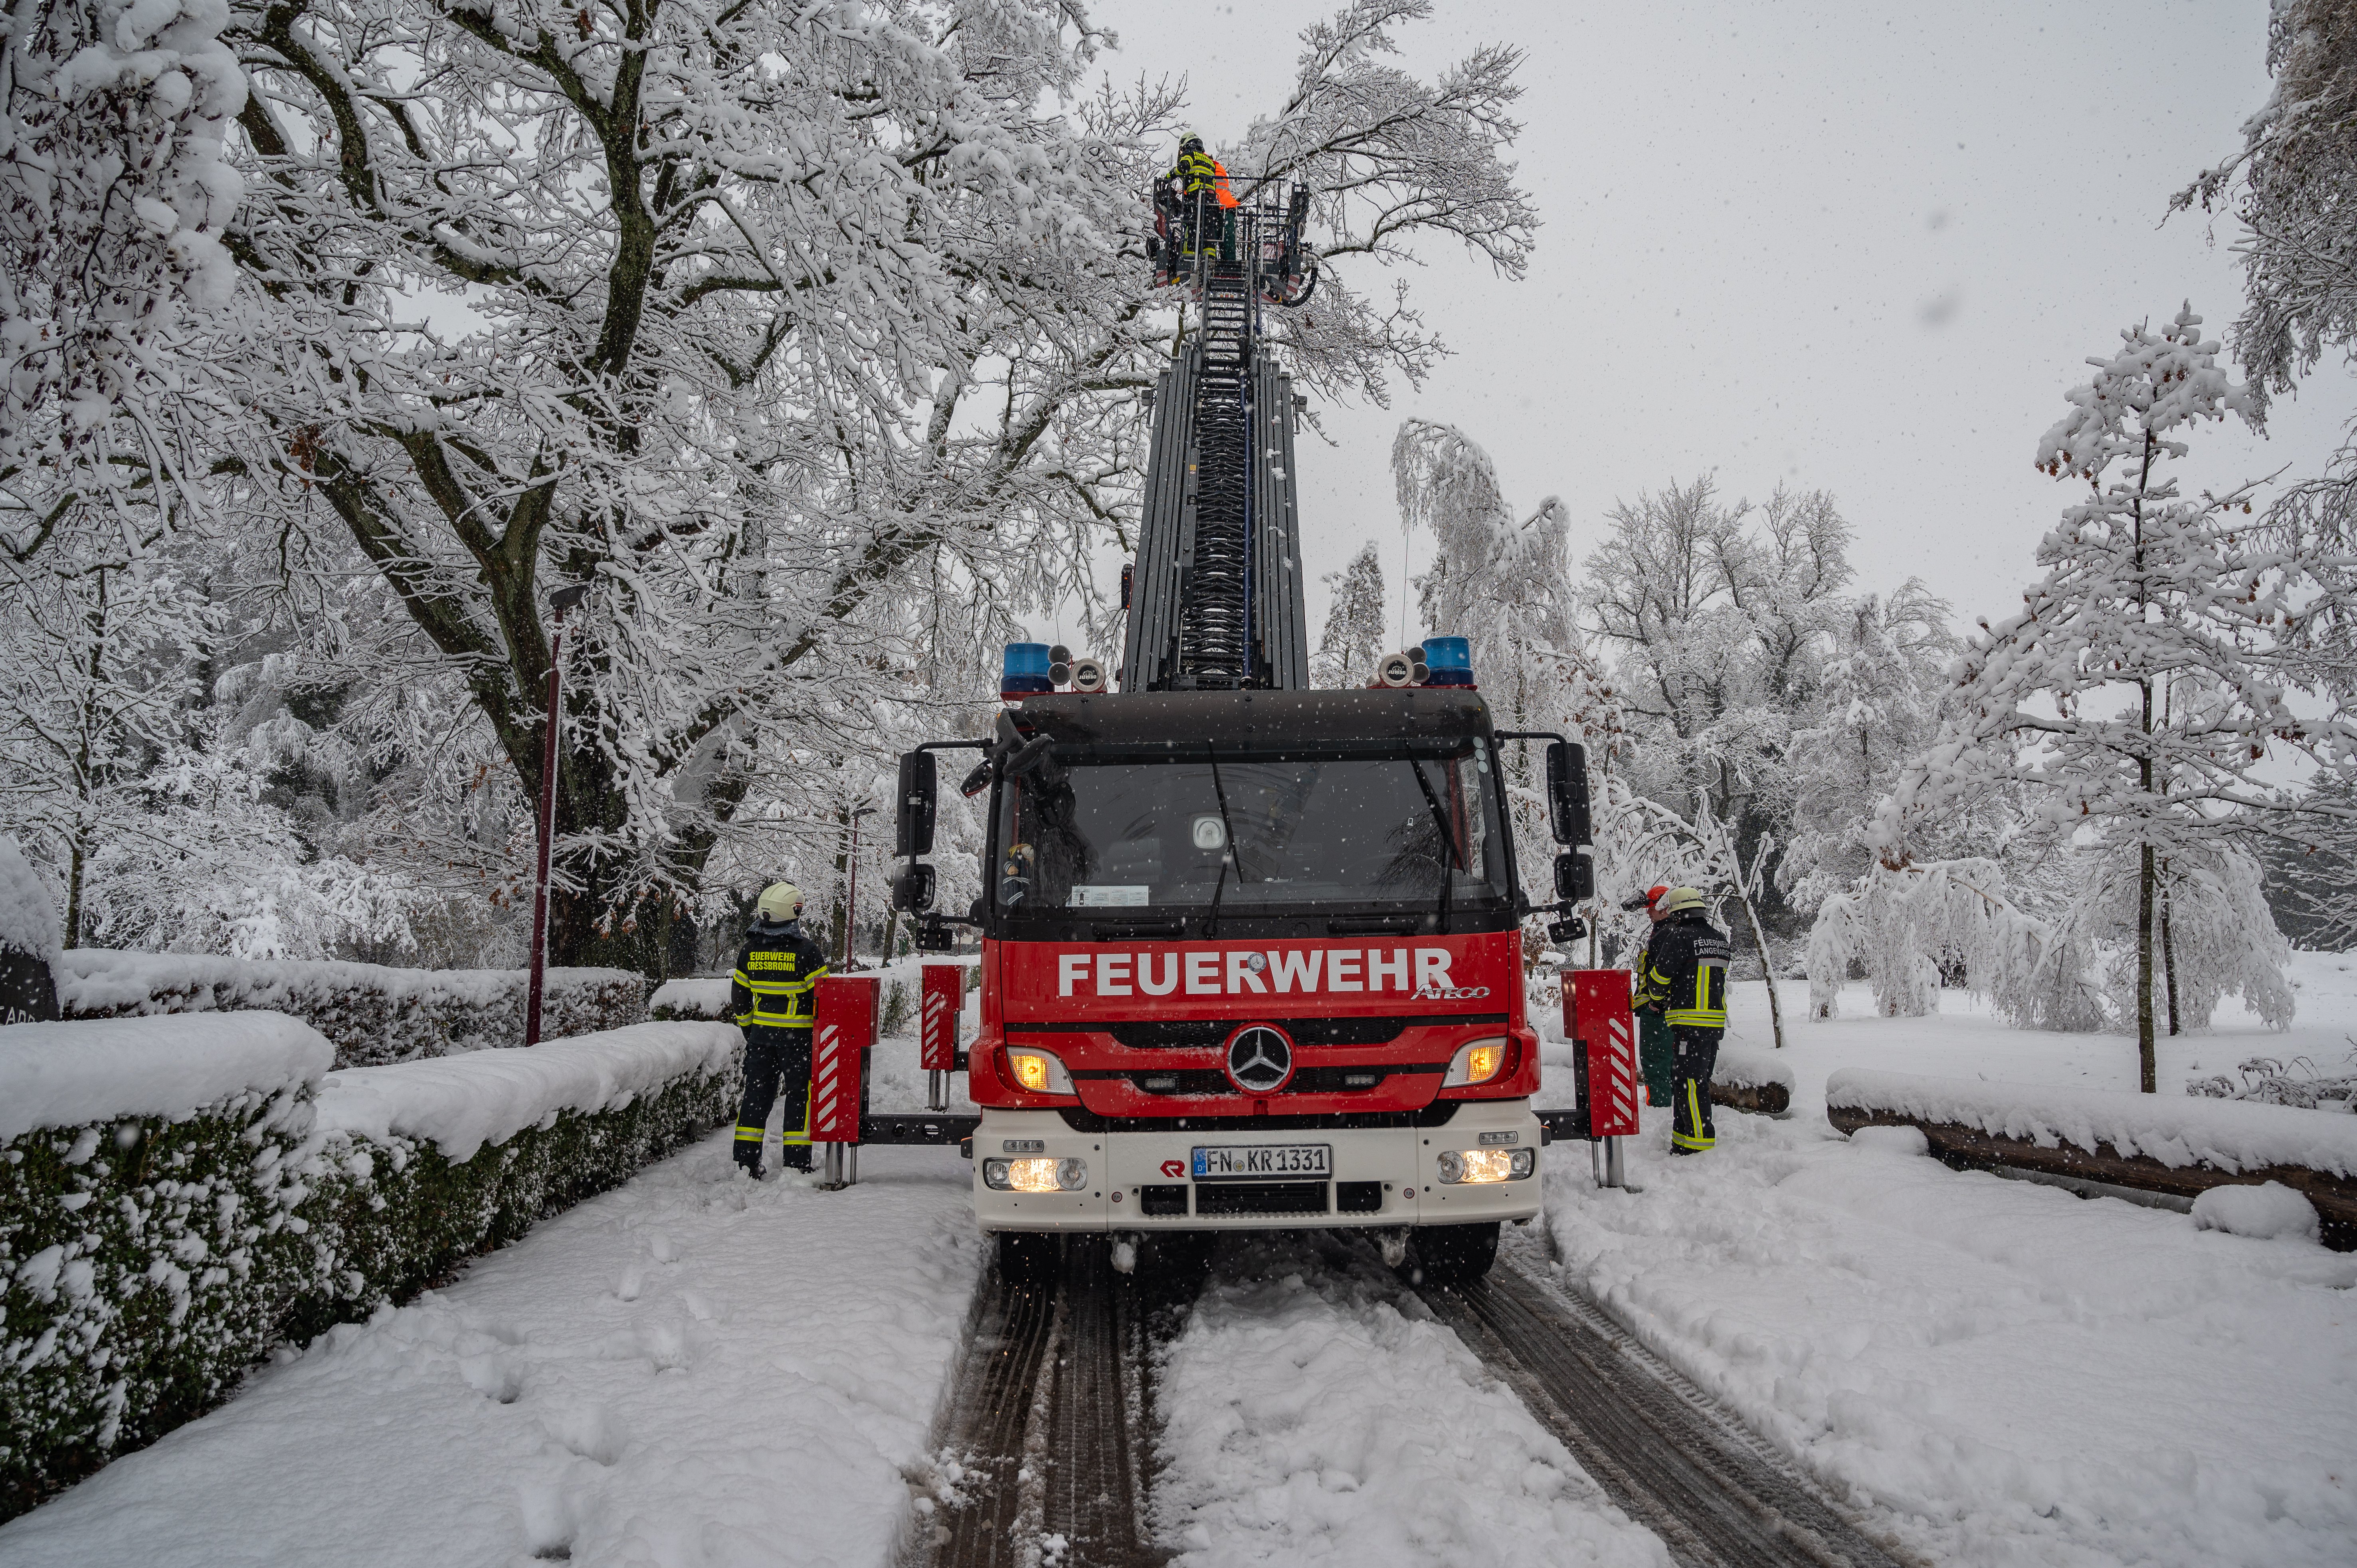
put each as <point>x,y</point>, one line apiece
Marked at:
<point>1877,703</point>
<point>1721,616</point>
<point>115,196</point>
<point>2172,651</point>
<point>2293,187</point>
<point>1353,640</point>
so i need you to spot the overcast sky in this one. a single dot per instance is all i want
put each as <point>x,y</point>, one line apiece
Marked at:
<point>1845,246</point>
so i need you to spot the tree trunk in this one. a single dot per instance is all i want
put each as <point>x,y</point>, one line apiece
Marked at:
<point>2168,956</point>
<point>2149,1077</point>
<point>1767,967</point>
<point>73,890</point>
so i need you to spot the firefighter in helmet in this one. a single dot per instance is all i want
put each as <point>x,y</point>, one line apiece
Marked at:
<point>1199,183</point>
<point>772,1000</point>
<point>1685,979</point>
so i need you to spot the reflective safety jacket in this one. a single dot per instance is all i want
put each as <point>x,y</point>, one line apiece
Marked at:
<point>1202,171</point>
<point>776,978</point>
<point>1683,975</point>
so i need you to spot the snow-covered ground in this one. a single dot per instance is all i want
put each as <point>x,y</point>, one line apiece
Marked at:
<point>1316,1413</point>
<point>691,1369</point>
<point>2017,1375</point>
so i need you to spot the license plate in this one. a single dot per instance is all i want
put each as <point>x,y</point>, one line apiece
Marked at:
<point>1263,1162</point>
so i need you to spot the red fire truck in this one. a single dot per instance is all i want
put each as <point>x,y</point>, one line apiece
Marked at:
<point>1252,953</point>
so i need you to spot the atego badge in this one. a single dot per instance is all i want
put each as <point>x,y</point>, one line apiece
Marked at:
<point>1260,1060</point>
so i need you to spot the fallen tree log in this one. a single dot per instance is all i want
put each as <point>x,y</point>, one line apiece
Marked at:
<point>1759,1098</point>
<point>1968,1148</point>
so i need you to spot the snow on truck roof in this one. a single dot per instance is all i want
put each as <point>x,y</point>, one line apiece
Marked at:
<point>1257,718</point>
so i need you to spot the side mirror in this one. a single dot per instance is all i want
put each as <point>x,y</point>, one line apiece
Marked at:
<point>920,794</point>
<point>1575,877</point>
<point>1566,769</point>
<point>912,889</point>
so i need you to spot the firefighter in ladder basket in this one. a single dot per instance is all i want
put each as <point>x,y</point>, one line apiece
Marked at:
<point>1684,981</point>
<point>772,1000</point>
<point>1197,187</point>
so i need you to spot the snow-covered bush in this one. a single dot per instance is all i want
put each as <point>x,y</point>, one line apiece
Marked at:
<point>177,1194</point>
<point>698,997</point>
<point>151,1238</point>
<point>372,1013</point>
<point>423,1164</point>
<point>2272,1081</point>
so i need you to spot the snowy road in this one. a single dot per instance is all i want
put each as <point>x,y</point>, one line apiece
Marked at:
<point>689,1371</point>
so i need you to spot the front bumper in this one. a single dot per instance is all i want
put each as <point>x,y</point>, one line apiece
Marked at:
<point>1131,1174</point>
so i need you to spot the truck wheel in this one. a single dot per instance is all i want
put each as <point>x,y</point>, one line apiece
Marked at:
<point>1029,1258</point>
<point>1454,1254</point>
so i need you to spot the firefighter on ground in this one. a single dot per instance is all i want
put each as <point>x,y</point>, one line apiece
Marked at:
<point>1685,979</point>
<point>1195,183</point>
<point>772,1001</point>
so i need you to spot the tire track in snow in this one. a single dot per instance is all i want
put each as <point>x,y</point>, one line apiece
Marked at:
<point>1045,1463</point>
<point>1658,1446</point>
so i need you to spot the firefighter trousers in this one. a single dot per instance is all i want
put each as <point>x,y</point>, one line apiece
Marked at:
<point>776,1062</point>
<point>1697,1053</point>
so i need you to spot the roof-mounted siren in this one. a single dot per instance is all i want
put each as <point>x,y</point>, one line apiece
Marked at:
<point>1026,671</point>
<point>1448,662</point>
<point>1406,668</point>
<point>1088,675</point>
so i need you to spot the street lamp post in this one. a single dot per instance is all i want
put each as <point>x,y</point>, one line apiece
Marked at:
<point>562,600</point>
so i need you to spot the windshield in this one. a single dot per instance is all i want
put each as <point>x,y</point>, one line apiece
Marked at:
<point>1199,830</point>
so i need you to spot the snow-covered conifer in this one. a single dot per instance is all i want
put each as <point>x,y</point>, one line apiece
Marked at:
<point>2173,648</point>
<point>1353,639</point>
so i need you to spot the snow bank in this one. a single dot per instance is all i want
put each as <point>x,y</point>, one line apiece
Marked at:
<point>2229,1135</point>
<point>459,1104</point>
<point>372,1013</point>
<point>693,998</point>
<point>2266,1211</point>
<point>70,1074</point>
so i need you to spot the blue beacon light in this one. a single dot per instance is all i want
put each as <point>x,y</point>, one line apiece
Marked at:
<point>1026,671</point>
<point>1448,662</point>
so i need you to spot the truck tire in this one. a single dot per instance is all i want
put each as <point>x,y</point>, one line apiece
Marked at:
<point>1454,1254</point>
<point>1033,1258</point>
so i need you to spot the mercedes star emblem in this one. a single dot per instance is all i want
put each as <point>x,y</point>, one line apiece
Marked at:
<point>1260,1060</point>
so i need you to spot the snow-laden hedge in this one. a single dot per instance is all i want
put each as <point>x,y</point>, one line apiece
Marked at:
<point>372,1013</point>
<point>423,1164</point>
<point>178,1193</point>
<point>697,997</point>
<point>2234,1136</point>
<point>151,1233</point>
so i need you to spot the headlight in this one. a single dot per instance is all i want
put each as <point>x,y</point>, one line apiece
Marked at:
<point>1480,1168</point>
<point>1476,1061</point>
<point>1035,1175</point>
<point>1037,1071</point>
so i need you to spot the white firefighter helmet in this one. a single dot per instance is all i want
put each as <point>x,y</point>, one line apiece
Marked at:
<point>782,901</point>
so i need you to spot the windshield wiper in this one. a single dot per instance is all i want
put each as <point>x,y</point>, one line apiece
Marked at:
<point>1227,848</point>
<point>1455,861</point>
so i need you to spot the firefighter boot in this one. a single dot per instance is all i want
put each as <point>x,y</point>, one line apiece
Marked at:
<point>795,1157</point>
<point>748,1155</point>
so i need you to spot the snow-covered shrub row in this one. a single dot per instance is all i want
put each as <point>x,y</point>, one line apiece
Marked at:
<point>372,1013</point>
<point>2227,1135</point>
<point>423,1164</point>
<point>177,1194</point>
<point>694,998</point>
<point>151,1239</point>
